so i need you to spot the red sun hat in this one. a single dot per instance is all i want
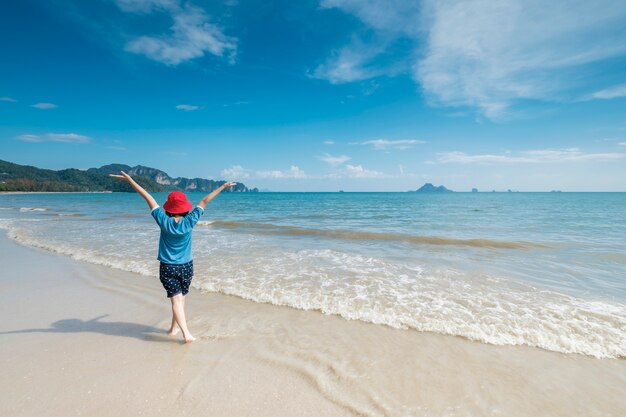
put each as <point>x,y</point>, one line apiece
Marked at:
<point>177,203</point>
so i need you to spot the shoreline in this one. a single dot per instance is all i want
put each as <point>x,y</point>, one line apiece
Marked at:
<point>54,192</point>
<point>102,350</point>
<point>330,192</point>
<point>92,340</point>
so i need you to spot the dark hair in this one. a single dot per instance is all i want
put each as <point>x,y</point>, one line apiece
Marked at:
<point>180,214</point>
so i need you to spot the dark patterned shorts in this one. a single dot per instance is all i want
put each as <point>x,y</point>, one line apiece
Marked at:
<point>176,278</point>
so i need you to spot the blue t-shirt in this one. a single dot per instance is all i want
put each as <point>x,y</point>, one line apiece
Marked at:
<point>175,241</point>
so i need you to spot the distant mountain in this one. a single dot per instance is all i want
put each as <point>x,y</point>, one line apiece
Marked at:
<point>164,180</point>
<point>14,177</point>
<point>429,188</point>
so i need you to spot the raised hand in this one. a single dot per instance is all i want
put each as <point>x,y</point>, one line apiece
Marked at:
<point>149,199</point>
<point>123,176</point>
<point>202,204</point>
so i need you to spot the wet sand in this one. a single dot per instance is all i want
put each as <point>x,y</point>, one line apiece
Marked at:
<point>82,339</point>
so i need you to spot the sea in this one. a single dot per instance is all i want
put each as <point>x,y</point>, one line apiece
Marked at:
<point>546,270</point>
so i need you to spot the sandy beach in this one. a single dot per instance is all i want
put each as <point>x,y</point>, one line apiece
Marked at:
<point>358,208</point>
<point>82,339</point>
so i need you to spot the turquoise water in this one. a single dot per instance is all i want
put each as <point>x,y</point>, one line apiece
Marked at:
<point>540,269</point>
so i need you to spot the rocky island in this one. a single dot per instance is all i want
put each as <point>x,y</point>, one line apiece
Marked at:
<point>429,188</point>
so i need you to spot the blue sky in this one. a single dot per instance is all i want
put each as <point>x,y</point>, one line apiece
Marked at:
<point>322,95</point>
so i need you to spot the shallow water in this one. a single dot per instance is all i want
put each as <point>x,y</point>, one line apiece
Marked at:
<point>536,269</point>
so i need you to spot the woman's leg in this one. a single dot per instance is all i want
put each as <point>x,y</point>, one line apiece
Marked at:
<point>178,311</point>
<point>174,329</point>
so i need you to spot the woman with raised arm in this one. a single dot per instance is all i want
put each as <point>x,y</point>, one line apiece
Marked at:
<point>176,219</point>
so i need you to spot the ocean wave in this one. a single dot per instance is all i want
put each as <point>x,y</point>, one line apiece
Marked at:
<point>26,209</point>
<point>274,229</point>
<point>481,308</point>
<point>401,295</point>
<point>143,266</point>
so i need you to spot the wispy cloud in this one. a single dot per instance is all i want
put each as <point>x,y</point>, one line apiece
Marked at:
<point>486,55</point>
<point>334,160</point>
<point>8,99</point>
<point>384,144</point>
<point>294,172</point>
<point>118,148</point>
<point>30,138</point>
<point>235,172</point>
<point>329,142</point>
<point>622,143</point>
<point>44,106</point>
<point>357,171</point>
<point>350,64</point>
<point>529,157</point>
<point>55,137</point>
<point>146,6</point>
<point>192,34</point>
<point>236,103</point>
<point>187,107</point>
<point>609,93</point>
<point>360,58</point>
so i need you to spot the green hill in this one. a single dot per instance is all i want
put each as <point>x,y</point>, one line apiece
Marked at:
<point>14,177</point>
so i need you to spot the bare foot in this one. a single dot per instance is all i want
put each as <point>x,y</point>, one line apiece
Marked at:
<point>174,332</point>
<point>189,339</point>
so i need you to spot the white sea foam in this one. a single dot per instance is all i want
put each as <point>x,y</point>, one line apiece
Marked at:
<point>445,301</point>
<point>26,209</point>
<point>143,266</point>
<point>359,287</point>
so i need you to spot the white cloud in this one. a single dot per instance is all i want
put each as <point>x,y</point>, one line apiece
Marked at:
<point>30,138</point>
<point>622,144</point>
<point>357,171</point>
<point>187,107</point>
<point>68,137</point>
<point>293,172</point>
<point>488,55</point>
<point>145,6</point>
<point>334,160</point>
<point>350,64</point>
<point>357,60</point>
<point>396,16</point>
<point>56,137</point>
<point>329,142</point>
<point>384,144</point>
<point>529,157</point>
<point>236,103</point>
<point>9,99</point>
<point>235,172</point>
<point>44,106</point>
<point>609,93</point>
<point>118,148</point>
<point>192,34</point>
